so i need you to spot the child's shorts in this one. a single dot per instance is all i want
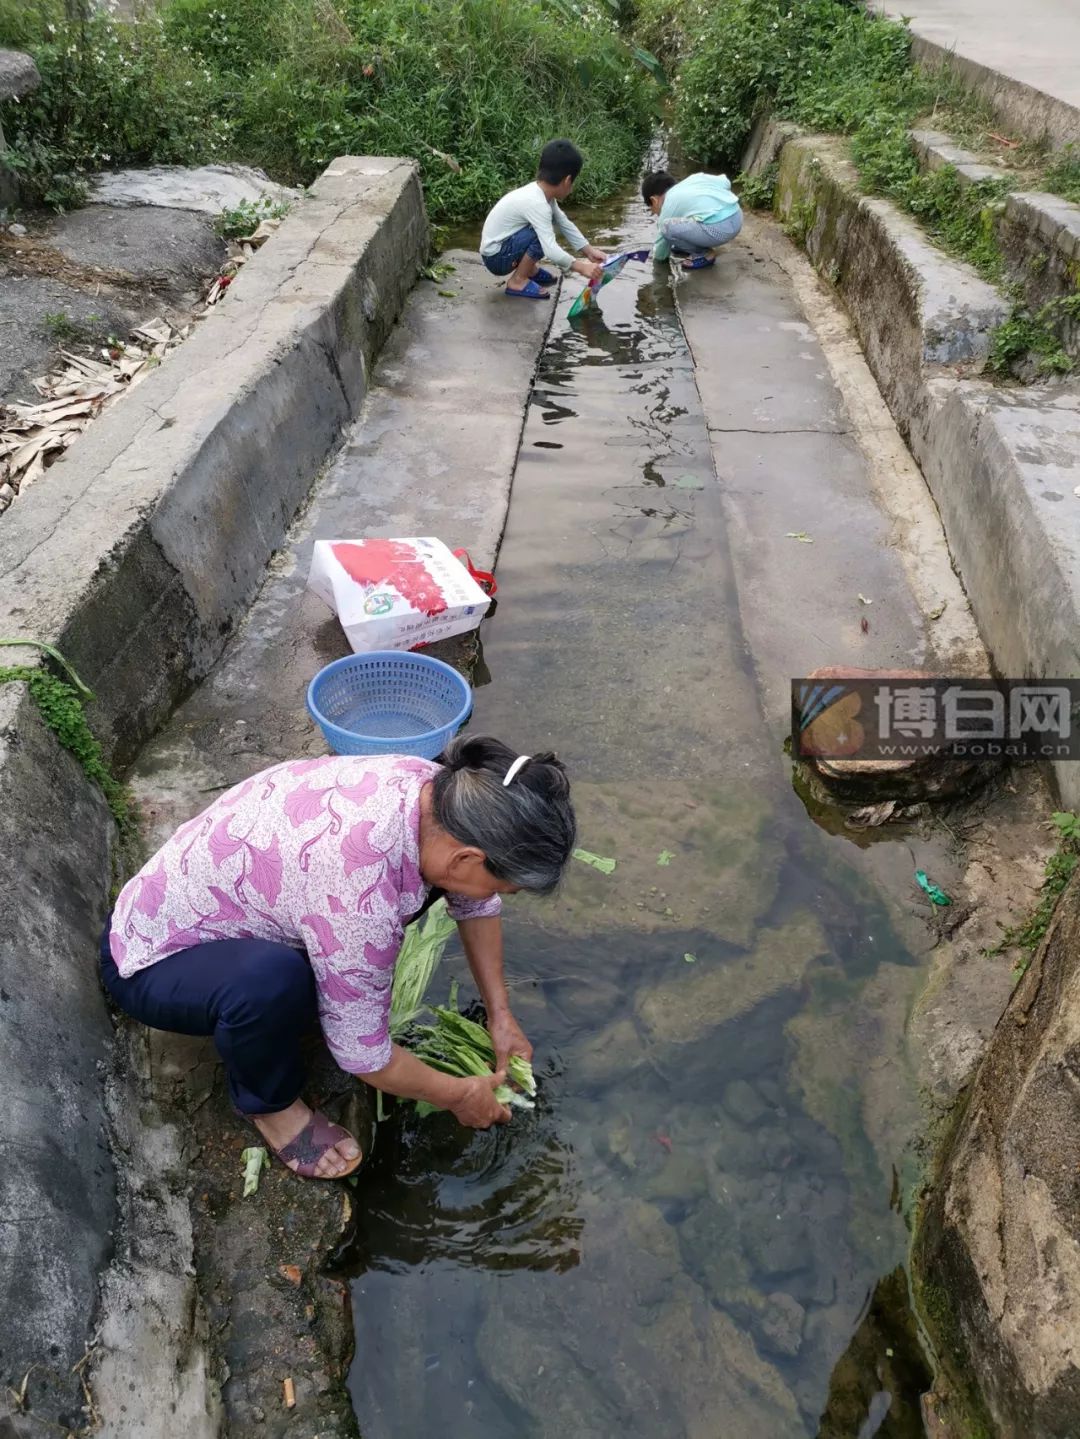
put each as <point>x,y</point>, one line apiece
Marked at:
<point>508,256</point>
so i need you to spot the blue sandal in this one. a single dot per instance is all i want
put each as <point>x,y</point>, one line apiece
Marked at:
<point>545,277</point>
<point>699,262</point>
<point>531,291</point>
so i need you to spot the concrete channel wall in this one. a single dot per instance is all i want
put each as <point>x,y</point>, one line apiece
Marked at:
<point>1021,108</point>
<point>136,555</point>
<point>1001,463</point>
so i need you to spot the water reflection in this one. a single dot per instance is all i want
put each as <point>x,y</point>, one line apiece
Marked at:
<point>682,1241</point>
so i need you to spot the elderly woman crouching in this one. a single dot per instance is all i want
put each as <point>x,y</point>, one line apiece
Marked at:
<point>284,904</point>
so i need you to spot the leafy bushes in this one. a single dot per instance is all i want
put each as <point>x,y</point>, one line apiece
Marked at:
<point>470,88</point>
<point>825,63</point>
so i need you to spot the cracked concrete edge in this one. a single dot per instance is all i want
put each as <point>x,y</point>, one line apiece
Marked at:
<point>1020,108</point>
<point>141,547</point>
<point>135,556</point>
<point>1001,465</point>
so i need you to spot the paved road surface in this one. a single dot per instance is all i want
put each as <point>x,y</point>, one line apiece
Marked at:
<point>1037,43</point>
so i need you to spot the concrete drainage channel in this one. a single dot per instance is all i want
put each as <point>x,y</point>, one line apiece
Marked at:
<point>1001,463</point>
<point>140,556</point>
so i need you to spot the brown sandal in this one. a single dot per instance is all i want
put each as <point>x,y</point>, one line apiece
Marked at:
<point>305,1149</point>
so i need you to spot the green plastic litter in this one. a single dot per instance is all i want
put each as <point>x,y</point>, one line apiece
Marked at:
<point>665,857</point>
<point>936,895</point>
<point>598,861</point>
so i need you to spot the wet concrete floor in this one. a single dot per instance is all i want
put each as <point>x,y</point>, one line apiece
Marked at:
<point>687,1237</point>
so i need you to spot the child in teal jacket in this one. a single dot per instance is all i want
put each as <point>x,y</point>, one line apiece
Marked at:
<point>696,215</point>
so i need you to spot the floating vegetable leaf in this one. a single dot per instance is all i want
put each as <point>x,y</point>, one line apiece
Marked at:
<point>255,1161</point>
<point>690,958</point>
<point>936,895</point>
<point>665,857</point>
<point>799,535</point>
<point>605,866</point>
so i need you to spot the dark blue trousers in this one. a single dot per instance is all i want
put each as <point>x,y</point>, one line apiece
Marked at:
<point>508,256</point>
<point>256,998</point>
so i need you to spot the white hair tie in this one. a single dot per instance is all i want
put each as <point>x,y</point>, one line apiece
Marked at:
<point>519,764</point>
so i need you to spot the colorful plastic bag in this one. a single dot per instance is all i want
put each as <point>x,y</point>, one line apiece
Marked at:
<point>397,594</point>
<point>611,268</point>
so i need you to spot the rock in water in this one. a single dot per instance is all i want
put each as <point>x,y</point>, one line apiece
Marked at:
<point>699,998</point>
<point>629,1345</point>
<point>781,1325</point>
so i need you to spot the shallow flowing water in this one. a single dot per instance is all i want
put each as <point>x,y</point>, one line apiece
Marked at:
<point>696,1234</point>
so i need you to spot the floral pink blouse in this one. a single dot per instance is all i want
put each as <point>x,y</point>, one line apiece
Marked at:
<point>319,854</point>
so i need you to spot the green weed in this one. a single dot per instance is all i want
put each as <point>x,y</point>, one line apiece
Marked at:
<point>1025,337</point>
<point>60,703</point>
<point>756,191</point>
<point>1062,176</point>
<point>64,330</point>
<point>469,88</point>
<point>1060,868</point>
<point>241,221</point>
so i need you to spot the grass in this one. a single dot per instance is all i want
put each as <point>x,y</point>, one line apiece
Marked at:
<point>469,88</point>
<point>1062,176</point>
<point>1060,868</point>
<point>60,326</point>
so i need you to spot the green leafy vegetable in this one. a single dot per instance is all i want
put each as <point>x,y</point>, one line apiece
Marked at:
<point>417,961</point>
<point>664,858</point>
<point>690,958</point>
<point>605,866</point>
<point>255,1161</point>
<point>457,1045</point>
<point>453,1044</point>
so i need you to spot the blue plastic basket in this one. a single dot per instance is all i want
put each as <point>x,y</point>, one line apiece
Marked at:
<point>389,702</point>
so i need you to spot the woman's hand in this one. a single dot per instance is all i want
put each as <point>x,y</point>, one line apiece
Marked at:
<point>592,253</point>
<point>508,1038</point>
<point>476,1105</point>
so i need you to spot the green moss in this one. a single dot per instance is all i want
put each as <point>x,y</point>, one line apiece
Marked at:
<point>60,704</point>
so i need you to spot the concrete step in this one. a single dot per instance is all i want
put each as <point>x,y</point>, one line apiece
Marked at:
<point>1039,235</point>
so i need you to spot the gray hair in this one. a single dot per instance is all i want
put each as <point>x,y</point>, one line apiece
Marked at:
<point>526,829</point>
